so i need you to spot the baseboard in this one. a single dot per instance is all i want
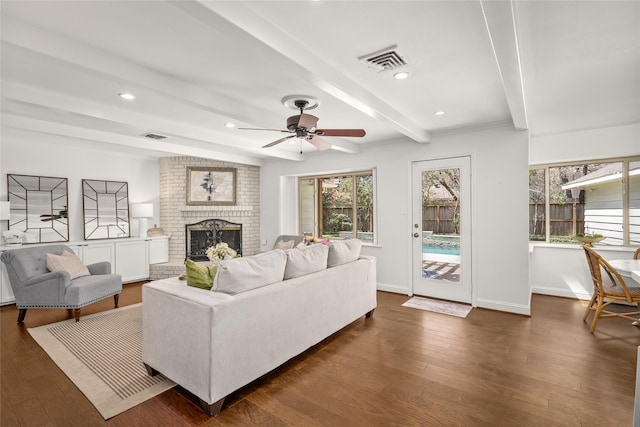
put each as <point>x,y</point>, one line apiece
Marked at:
<point>502,306</point>
<point>388,287</point>
<point>554,292</point>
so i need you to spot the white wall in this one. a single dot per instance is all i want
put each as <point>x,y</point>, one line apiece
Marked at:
<point>499,236</point>
<point>562,269</point>
<point>31,156</point>
<point>617,141</point>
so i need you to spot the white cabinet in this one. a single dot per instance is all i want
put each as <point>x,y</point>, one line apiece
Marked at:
<point>90,253</point>
<point>158,250</point>
<point>132,260</point>
<point>128,257</point>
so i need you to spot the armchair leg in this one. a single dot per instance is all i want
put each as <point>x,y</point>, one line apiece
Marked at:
<point>76,313</point>
<point>21,313</point>
<point>116,297</point>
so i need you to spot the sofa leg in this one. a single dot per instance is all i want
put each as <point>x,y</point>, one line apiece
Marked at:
<point>21,313</point>
<point>116,297</point>
<point>76,313</point>
<point>212,409</point>
<point>150,370</point>
<point>369,314</point>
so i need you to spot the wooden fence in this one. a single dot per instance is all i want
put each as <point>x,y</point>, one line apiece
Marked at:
<point>441,219</point>
<point>566,219</point>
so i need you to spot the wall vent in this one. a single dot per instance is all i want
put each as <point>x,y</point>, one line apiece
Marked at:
<point>383,60</point>
<point>154,136</point>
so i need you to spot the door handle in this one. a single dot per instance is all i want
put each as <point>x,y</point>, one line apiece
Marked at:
<point>416,235</point>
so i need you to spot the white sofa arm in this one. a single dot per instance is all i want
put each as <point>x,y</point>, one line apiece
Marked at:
<point>177,325</point>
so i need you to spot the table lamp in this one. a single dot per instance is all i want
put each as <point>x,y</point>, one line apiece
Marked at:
<point>142,211</point>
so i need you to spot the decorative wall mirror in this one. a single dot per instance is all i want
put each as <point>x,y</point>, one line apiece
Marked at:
<point>105,208</point>
<point>38,208</point>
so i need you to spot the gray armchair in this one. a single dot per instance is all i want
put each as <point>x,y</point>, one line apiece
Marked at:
<point>34,286</point>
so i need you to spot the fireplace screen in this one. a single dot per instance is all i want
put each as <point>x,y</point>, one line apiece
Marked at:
<point>210,232</point>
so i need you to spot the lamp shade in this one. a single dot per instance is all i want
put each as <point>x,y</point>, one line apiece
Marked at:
<point>142,210</point>
<point>5,213</point>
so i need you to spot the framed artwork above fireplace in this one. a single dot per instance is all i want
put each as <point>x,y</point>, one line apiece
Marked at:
<point>211,186</point>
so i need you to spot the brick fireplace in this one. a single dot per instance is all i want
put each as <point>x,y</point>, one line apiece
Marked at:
<point>175,214</point>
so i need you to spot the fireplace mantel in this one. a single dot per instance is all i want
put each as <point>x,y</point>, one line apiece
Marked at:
<point>214,210</point>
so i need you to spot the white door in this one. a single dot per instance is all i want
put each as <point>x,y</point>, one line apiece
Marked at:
<point>441,228</point>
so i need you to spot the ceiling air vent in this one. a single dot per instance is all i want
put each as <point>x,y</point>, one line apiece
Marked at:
<point>382,60</point>
<point>154,136</point>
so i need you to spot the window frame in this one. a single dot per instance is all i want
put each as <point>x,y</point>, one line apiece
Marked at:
<point>626,232</point>
<point>317,178</point>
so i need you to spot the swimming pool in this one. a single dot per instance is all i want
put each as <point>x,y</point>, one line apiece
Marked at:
<point>444,250</point>
<point>440,244</point>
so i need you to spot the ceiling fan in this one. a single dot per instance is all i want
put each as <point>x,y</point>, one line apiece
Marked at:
<point>303,126</point>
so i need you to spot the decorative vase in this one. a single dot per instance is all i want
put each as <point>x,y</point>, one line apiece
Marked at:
<point>589,240</point>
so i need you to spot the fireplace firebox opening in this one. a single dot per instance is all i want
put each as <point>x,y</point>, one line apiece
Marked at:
<point>204,234</point>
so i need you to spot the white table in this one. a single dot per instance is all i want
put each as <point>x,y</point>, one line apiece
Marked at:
<point>627,268</point>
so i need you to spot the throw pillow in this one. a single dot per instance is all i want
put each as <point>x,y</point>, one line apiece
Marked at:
<point>306,260</point>
<point>68,262</point>
<point>247,273</point>
<point>281,244</point>
<point>343,251</point>
<point>200,275</point>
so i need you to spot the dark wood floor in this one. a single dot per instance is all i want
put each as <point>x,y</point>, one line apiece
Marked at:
<point>403,367</point>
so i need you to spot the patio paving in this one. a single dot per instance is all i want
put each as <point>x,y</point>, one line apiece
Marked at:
<point>441,270</point>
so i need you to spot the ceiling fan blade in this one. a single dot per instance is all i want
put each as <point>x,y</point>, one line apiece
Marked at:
<point>274,130</point>
<point>341,132</point>
<point>307,121</point>
<point>277,142</point>
<point>318,142</point>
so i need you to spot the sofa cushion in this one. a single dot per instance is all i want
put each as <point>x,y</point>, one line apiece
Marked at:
<point>284,244</point>
<point>200,275</point>
<point>306,260</point>
<point>68,262</point>
<point>243,274</point>
<point>343,251</point>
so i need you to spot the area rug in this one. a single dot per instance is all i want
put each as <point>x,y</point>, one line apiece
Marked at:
<point>102,355</point>
<point>438,306</point>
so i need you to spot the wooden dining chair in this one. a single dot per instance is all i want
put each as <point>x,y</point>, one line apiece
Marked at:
<point>636,253</point>
<point>609,288</point>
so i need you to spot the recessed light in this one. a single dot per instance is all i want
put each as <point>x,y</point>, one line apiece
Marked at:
<point>229,125</point>
<point>127,96</point>
<point>401,75</point>
<point>439,113</point>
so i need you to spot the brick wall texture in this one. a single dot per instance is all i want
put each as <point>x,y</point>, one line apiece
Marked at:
<point>175,213</point>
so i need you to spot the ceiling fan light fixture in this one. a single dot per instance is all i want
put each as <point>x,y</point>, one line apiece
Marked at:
<point>294,102</point>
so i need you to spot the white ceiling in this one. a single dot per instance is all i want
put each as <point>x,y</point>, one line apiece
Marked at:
<point>547,66</point>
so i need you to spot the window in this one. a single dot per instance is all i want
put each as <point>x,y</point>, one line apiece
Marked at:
<point>338,206</point>
<point>599,197</point>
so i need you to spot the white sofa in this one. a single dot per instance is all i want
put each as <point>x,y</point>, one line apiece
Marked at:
<point>213,343</point>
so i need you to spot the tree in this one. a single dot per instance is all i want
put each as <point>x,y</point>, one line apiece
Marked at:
<point>449,179</point>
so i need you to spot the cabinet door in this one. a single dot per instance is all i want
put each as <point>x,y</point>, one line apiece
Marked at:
<point>132,260</point>
<point>158,250</point>
<point>6,293</point>
<point>97,252</point>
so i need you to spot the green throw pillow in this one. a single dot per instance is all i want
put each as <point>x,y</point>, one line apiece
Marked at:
<point>200,275</point>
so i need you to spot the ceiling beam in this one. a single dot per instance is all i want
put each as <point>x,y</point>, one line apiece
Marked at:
<point>169,146</point>
<point>323,75</point>
<point>500,22</point>
<point>32,102</point>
